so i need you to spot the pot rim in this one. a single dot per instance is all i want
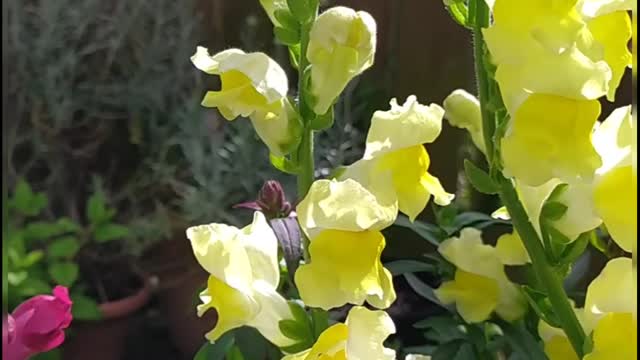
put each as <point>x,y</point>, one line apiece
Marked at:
<point>128,305</point>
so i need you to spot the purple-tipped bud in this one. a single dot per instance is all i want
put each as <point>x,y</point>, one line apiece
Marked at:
<point>271,201</point>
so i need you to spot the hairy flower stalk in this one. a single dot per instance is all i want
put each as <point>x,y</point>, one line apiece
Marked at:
<point>479,11</point>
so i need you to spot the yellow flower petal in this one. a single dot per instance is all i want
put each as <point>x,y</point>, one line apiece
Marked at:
<point>559,348</point>
<point>345,205</point>
<point>580,215</point>
<point>345,268</point>
<point>403,126</point>
<point>468,253</point>
<point>550,137</point>
<point>462,110</point>
<point>367,332</point>
<point>234,308</point>
<point>342,44</point>
<point>610,292</point>
<point>279,127</point>
<point>511,250</point>
<point>412,183</point>
<point>475,296</point>
<point>501,213</point>
<point>615,337</point>
<point>613,31</point>
<point>329,346</point>
<point>273,309</point>
<point>615,198</point>
<point>533,199</point>
<point>594,8</point>
<point>250,81</point>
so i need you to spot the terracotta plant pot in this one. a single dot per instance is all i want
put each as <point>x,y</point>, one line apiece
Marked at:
<point>105,339</point>
<point>180,279</point>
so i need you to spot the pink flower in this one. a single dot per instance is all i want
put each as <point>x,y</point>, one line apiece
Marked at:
<point>37,325</point>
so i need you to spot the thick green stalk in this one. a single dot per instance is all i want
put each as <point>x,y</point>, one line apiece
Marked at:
<point>306,166</point>
<point>552,282</point>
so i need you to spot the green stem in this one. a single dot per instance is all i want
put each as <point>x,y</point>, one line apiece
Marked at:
<point>305,157</point>
<point>481,21</point>
<point>552,282</point>
<point>544,271</point>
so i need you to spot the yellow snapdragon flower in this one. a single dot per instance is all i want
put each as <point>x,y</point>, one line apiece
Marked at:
<point>480,286</point>
<point>462,110</point>
<point>550,137</point>
<point>616,184</point>
<point>343,221</point>
<point>342,44</point>
<point>361,337</point>
<point>252,85</point>
<point>244,276</point>
<point>394,147</point>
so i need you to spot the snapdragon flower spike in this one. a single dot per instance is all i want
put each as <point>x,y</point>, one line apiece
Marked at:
<point>37,325</point>
<point>480,285</point>
<point>394,148</point>
<point>360,337</point>
<point>343,221</point>
<point>272,201</point>
<point>342,44</point>
<point>244,277</point>
<point>252,85</point>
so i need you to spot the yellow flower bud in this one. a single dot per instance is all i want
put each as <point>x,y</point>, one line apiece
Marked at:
<point>462,110</point>
<point>342,45</point>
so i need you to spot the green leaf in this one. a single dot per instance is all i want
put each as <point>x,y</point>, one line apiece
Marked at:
<point>294,55</point>
<point>64,273</point>
<point>541,304</point>
<point>16,278</point>
<point>296,348</point>
<point>66,225</point>
<point>235,353</point>
<point>454,350</point>
<point>286,19</point>
<point>85,308</point>
<point>429,232</point>
<point>423,289</point>
<point>558,241</point>
<point>32,258</point>
<point>458,11</point>
<point>575,249</point>
<point>295,330</point>
<point>33,286</point>
<point>301,9</point>
<point>320,321</point>
<point>108,232</point>
<point>444,328</point>
<point>26,201</point>
<point>445,217</point>
<point>283,164</point>
<point>298,312</point>
<point>553,210</point>
<point>65,247</point>
<point>480,179</point>
<point>40,230</point>
<point>599,243</point>
<point>288,37</point>
<point>97,211</point>
<point>399,267</point>
<point>522,342</point>
<point>217,350</point>
<point>323,122</point>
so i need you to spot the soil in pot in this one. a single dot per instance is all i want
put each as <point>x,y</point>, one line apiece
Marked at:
<point>123,292</point>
